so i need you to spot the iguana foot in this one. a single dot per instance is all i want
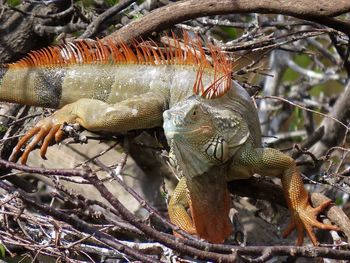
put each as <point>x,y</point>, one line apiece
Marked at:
<point>306,218</point>
<point>47,131</point>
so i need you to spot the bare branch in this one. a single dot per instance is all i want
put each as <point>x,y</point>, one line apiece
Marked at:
<point>162,18</point>
<point>93,28</point>
<point>334,127</point>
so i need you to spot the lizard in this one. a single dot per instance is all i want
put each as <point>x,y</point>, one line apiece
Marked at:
<point>209,120</point>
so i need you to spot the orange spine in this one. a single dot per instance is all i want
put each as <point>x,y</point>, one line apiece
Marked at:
<point>190,52</point>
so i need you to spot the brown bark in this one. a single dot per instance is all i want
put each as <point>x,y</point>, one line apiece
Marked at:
<point>319,11</point>
<point>17,28</point>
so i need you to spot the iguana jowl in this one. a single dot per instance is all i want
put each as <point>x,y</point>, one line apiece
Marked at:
<point>211,123</point>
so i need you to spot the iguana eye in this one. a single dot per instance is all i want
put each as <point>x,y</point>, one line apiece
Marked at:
<point>194,113</point>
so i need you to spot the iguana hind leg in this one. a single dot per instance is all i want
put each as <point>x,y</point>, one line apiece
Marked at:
<point>271,162</point>
<point>137,113</point>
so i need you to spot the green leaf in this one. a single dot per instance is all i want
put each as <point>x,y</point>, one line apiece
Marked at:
<point>297,119</point>
<point>232,32</point>
<point>3,128</point>
<point>2,251</point>
<point>303,61</point>
<point>111,2</point>
<point>13,2</point>
<point>339,201</point>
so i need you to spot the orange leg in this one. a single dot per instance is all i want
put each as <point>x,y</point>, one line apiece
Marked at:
<point>271,162</point>
<point>44,131</point>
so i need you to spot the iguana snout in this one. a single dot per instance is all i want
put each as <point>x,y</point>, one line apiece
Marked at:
<point>188,119</point>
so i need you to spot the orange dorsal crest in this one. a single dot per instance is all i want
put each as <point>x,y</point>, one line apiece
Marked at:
<point>190,52</point>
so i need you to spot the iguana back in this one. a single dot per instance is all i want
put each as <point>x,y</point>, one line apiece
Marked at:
<point>56,76</point>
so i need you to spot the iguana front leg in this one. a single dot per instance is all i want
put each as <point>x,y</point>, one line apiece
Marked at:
<point>271,162</point>
<point>178,205</point>
<point>95,115</point>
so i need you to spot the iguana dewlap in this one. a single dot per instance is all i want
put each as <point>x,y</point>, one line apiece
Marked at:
<point>210,121</point>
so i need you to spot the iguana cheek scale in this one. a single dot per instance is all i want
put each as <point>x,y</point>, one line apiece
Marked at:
<point>115,88</point>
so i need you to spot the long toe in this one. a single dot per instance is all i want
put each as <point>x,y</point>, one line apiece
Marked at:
<point>38,138</point>
<point>308,221</point>
<point>50,138</point>
<point>16,150</point>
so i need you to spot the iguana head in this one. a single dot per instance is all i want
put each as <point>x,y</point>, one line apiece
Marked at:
<point>202,135</point>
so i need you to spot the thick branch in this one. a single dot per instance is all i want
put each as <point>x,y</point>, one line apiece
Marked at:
<point>334,132</point>
<point>17,28</point>
<point>93,28</point>
<point>169,15</point>
<point>334,213</point>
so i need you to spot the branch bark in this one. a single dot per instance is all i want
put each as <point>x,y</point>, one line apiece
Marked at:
<point>320,11</point>
<point>17,28</point>
<point>93,28</point>
<point>334,213</point>
<point>334,132</point>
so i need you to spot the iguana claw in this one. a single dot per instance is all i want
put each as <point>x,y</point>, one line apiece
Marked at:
<point>45,131</point>
<point>306,218</point>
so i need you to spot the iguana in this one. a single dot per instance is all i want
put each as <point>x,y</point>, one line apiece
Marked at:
<point>209,120</point>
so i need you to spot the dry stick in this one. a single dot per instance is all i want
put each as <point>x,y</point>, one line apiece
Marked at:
<point>311,140</point>
<point>79,225</point>
<point>302,107</point>
<point>93,28</point>
<point>190,241</point>
<point>342,53</point>
<point>334,213</point>
<point>174,243</point>
<point>334,133</point>
<point>82,173</point>
<point>88,202</point>
<point>338,113</point>
<point>162,18</point>
<point>59,15</point>
<point>44,171</point>
<point>270,41</point>
<point>245,25</point>
<point>256,250</point>
<point>309,252</point>
<point>144,203</point>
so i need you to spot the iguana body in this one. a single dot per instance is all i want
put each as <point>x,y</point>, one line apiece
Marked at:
<point>116,88</point>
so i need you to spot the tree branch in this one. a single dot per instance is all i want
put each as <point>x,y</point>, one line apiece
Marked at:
<point>334,132</point>
<point>164,17</point>
<point>93,28</point>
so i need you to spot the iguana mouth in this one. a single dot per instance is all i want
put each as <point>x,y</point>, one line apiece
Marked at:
<point>185,131</point>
